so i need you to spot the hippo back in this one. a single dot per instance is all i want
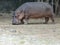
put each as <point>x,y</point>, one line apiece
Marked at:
<point>34,6</point>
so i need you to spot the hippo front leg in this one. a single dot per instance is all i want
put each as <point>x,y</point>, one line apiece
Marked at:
<point>22,21</point>
<point>26,19</point>
<point>46,20</point>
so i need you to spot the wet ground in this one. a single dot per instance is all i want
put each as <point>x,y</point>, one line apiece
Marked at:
<point>34,33</point>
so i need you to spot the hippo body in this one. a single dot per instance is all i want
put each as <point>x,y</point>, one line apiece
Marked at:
<point>33,10</point>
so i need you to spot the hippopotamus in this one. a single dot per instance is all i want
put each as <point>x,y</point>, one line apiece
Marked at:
<point>32,10</point>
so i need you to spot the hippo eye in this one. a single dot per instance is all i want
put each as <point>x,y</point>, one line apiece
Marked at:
<point>17,16</point>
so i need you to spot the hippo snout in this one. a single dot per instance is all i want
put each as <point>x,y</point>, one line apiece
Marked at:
<point>15,24</point>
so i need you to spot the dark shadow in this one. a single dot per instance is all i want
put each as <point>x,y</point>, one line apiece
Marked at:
<point>33,23</point>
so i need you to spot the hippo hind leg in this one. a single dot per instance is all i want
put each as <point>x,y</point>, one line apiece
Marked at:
<point>46,20</point>
<point>52,18</point>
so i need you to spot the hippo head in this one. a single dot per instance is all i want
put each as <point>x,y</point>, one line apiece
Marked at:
<point>15,20</point>
<point>17,17</point>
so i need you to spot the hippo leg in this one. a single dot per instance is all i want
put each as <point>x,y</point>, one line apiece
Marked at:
<point>46,20</point>
<point>22,20</point>
<point>52,18</point>
<point>26,20</point>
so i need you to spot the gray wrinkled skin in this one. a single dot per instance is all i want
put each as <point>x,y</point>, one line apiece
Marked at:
<point>32,7</point>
